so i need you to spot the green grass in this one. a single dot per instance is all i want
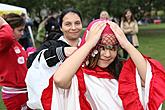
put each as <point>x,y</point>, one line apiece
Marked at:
<point>2,107</point>
<point>152,26</point>
<point>152,43</point>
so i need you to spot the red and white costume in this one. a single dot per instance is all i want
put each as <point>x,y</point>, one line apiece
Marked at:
<point>96,89</point>
<point>135,97</point>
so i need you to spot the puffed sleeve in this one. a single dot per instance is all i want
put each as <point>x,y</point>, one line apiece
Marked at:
<point>154,94</point>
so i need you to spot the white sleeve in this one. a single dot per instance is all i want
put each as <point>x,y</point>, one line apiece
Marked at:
<point>144,92</point>
<point>37,79</point>
<point>68,99</point>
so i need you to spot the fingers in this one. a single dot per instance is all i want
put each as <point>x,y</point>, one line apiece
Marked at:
<point>119,35</point>
<point>116,29</point>
<point>94,33</point>
<point>98,26</point>
<point>96,29</point>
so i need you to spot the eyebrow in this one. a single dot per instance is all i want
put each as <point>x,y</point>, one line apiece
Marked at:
<point>107,46</point>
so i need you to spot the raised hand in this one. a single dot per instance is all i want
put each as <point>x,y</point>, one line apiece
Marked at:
<point>93,35</point>
<point>119,34</point>
<point>2,21</point>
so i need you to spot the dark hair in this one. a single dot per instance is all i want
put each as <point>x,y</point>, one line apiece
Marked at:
<point>53,36</point>
<point>52,25</point>
<point>14,20</point>
<point>132,16</point>
<point>66,11</point>
<point>53,33</point>
<point>114,68</point>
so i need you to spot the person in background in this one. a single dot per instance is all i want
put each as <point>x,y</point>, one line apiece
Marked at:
<point>57,47</point>
<point>41,32</point>
<point>26,40</point>
<point>130,28</point>
<point>94,78</point>
<point>50,24</point>
<point>104,15</point>
<point>13,62</point>
<point>47,26</point>
<point>50,40</point>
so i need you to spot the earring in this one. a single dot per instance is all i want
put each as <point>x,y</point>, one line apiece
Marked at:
<point>87,63</point>
<point>94,53</point>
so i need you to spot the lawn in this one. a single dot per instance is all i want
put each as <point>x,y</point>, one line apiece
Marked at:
<point>152,26</point>
<point>152,43</point>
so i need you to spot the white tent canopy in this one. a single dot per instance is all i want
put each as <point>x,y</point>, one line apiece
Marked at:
<point>5,9</point>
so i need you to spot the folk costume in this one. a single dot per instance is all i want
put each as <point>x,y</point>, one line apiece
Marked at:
<point>97,89</point>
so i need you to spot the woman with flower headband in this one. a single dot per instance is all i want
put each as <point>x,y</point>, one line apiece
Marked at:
<point>93,81</point>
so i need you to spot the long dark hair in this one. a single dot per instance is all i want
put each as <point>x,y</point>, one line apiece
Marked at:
<point>14,20</point>
<point>66,11</point>
<point>125,12</point>
<point>116,66</point>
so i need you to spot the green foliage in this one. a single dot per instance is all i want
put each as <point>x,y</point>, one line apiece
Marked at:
<point>91,8</point>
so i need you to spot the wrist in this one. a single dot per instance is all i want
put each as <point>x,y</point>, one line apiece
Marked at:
<point>128,47</point>
<point>2,22</point>
<point>89,45</point>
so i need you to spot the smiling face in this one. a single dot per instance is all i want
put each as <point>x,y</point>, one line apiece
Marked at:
<point>104,15</point>
<point>108,52</point>
<point>71,26</point>
<point>128,15</point>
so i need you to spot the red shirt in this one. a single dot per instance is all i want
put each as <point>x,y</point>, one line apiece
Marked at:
<point>12,60</point>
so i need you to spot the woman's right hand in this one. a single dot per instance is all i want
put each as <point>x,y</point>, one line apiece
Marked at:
<point>119,35</point>
<point>93,35</point>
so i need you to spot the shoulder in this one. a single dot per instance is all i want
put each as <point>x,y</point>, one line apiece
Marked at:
<point>54,43</point>
<point>6,28</point>
<point>156,64</point>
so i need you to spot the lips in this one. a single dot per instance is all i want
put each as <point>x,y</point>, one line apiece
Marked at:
<point>105,59</point>
<point>74,32</point>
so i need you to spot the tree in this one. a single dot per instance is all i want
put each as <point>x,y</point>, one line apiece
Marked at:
<point>91,8</point>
